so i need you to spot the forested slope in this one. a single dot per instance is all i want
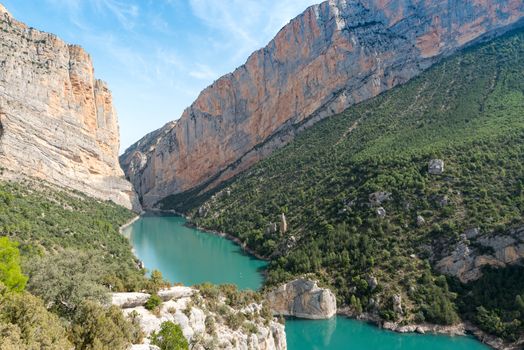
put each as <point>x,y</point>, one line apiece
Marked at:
<point>467,111</point>
<point>61,254</point>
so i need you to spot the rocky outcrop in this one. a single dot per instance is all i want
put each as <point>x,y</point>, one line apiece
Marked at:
<point>283,223</point>
<point>303,299</point>
<point>377,198</point>
<point>57,122</point>
<point>436,167</point>
<point>474,251</point>
<point>204,326</point>
<point>454,330</point>
<point>330,57</point>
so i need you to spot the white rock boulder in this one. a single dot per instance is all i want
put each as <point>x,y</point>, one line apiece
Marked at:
<point>304,299</point>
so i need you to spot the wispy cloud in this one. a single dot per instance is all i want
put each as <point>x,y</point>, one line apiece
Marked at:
<point>125,12</point>
<point>231,18</point>
<point>203,72</point>
<point>246,25</point>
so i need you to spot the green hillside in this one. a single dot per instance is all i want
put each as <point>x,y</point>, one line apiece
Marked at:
<point>469,112</point>
<point>60,255</point>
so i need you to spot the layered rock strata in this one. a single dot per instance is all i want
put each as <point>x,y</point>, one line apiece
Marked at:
<point>57,121</point>
<point>332,56</point>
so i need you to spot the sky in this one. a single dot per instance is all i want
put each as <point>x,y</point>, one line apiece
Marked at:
<point>157,55</point>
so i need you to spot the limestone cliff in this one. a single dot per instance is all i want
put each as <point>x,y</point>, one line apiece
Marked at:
<point>57,122</point>
<point>333,55</point>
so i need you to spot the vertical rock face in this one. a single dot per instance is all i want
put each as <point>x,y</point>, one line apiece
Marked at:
<point>333,55</point>
<point>304,299</point>
<point>57,122</point>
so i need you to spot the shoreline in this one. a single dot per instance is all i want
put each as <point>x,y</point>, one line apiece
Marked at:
<point>227,236</point>
<point>422,328</point>
<point>460,329</point>
<point>129,223</point>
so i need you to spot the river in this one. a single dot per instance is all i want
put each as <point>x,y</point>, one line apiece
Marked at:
<point>190,256</point>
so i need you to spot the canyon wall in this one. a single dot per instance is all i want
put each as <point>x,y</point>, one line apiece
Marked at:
<point>57,121</point>
<point>330,57</point>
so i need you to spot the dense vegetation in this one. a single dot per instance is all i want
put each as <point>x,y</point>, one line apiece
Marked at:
<point>468,111</point>
<point>48,221</point>
<point>500,294</point>
<point>60,255</point>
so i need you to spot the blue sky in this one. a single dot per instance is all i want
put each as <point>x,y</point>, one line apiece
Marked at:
<point>157,55</point>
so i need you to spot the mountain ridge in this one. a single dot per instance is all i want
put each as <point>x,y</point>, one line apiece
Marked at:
<point>333,55</point>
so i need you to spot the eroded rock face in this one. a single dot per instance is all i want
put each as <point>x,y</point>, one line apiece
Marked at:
<point>465,261</point>
<point>304,299</point>
<point>184,306</point>
<point>332,56</point>
<point>57,121</point>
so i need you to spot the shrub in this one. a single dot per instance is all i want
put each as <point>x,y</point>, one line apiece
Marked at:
<point>234,320</point>
<point>250,328</point>
<point>156,282</point>
<point>209,291</point>
<point>64,281</point>
<point>25,323</point>
<point>153,302</point>
<point>137,333</point>
<point>170,337</point>
<point>99,328</point>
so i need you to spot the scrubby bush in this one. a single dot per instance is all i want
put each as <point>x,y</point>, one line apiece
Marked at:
<point>98,328</point>
<point>153,302</point>
<point>65,280</point>
<point>169,337</point>
<point>26,324</point>
<point>156,282</point>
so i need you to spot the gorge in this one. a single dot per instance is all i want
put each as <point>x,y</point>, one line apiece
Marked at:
<point>371,154</point>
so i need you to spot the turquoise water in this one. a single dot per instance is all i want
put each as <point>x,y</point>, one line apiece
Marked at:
<point>190,256</point>
<point>343,333</point>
